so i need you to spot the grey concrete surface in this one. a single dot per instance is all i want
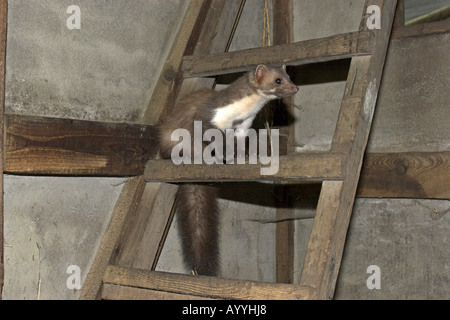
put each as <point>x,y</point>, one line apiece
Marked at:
<point>50,224</point>
<point>106,70</point>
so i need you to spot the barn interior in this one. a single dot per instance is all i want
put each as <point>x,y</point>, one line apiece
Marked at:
<point>88,208</point>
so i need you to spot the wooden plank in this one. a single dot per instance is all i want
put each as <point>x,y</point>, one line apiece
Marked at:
<point>313,167</point>
<point>285,229</point>
<point>316,258</point>
<point>169,80</point>
<point>399,18</point>
<point>117,292</point>
<point>126,204</point>
<point>351,135</point>
<point>146,254</point>
<point>3,33</point>
<point>421,175</point>
<point>421,30</point>
<point>405,175</point>
<point>203,286</point>
<point>48,146</point>
<point>139,245</point>
<point>335,47</point>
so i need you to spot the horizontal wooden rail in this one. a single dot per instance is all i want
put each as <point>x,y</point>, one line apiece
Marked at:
<point>202,286</point>
<point>335,47</point>
<point>311,167</point>
<point>422,175</point>
<point>49,146</point>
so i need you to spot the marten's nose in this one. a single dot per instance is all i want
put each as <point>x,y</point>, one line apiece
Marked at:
<point>295,89</point>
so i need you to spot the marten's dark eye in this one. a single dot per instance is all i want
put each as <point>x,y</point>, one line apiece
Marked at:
<point>278,80</point>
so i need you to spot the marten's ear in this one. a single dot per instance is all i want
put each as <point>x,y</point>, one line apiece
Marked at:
<point>284,67</point>
<point>259,71</point>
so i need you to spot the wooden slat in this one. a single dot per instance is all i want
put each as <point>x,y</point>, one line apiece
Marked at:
<point>421,30</point>
<point>126,203</point>
<point>141,245</point>
<point>315,265</point>
<point>327,238</point>
<point>118,292</point>
<point>310,51</point>
<point>203,286</point>
<point>405,175</point>
<point>169,80</point>
<point>48,146</point>
<point>285,229</point>
<point>3,32</point>
<point>314,167</point>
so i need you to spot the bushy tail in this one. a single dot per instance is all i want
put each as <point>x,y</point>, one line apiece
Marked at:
<point>198,226</point>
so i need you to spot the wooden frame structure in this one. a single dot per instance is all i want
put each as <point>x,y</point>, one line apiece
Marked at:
<point>124,275</point>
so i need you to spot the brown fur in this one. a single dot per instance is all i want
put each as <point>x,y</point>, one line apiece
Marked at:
<point>196,203</point>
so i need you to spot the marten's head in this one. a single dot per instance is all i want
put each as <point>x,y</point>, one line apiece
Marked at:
<point>273,83</point>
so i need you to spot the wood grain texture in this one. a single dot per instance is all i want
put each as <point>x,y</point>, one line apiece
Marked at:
<point>310,51</point>
<point>406,175</point>
<point>203,286</point>
<point>49,146</point>
<point>119,292</point>
<point>420,30</point>
<point>313,167</point>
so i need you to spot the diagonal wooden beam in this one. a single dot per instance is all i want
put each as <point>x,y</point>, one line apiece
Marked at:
<point>134,190</point>
<point>327,240</point>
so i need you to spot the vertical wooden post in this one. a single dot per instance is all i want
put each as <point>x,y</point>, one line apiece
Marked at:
<point>284,229</point>
<point>3,27</point>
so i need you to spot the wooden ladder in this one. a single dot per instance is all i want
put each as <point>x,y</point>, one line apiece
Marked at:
<point>146,204</point>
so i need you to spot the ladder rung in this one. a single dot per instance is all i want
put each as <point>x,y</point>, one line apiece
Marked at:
<point>311,167</point>
<point>202,286</point>
<point>335,47</point>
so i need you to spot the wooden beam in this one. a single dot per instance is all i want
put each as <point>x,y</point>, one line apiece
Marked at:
<point>119,292</point>
<point>335,47</point>
<point>351,135</point>
<point>48,146</point>
<point>399,18</point>
<point>202,286</point>
<point>312,167</point>
<point>140,245</point>
<point>126,203</point>
<point>405,175</point>
<point>420,30</point>
<point>285,229</point>
<point>315,267</point>
<point>3,32</point>
<point>169,81</point>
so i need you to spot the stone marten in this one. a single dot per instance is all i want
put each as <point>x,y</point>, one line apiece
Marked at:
<point>232,108</point>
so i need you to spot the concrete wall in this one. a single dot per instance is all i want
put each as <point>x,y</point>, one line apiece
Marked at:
<point>107,71</point>
<point>104,71</point>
